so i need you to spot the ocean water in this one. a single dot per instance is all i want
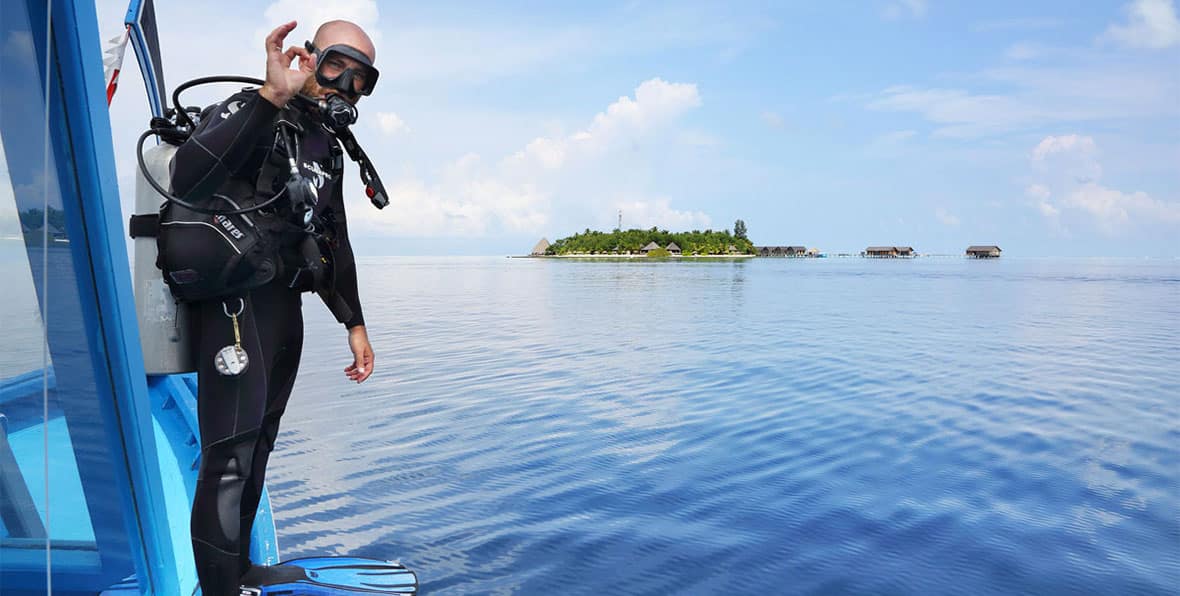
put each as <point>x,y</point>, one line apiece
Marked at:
<point>771,426</point>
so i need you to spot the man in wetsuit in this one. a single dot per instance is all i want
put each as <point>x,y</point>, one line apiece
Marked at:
<point>239,414</point>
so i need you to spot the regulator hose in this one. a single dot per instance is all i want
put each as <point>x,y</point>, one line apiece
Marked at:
<point>179,201</point>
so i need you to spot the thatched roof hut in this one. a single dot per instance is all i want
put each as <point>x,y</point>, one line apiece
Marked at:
<point>881,251</point>
<point>673,248</point>
<point>887,251</point>
<point>650,247</point>
<point>541,247</point>
<point>983,251</point>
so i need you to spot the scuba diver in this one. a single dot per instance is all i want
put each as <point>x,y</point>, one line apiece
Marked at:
<point>280,141</point>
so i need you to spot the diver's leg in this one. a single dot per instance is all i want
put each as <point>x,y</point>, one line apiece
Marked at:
<point>281,332</point>
<point>229,410</point>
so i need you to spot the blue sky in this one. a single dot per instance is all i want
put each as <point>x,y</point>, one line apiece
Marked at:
<point>1049,128</point>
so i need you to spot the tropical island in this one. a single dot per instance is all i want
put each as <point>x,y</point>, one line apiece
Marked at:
<point>653,242</point>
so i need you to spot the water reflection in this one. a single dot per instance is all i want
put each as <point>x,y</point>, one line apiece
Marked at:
<point>20,317</point>
<point>560,427</point>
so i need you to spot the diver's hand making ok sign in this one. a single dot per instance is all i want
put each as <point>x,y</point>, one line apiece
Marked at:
<point>283,82</point>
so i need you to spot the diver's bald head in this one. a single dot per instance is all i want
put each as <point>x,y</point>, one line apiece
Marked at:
<point>347,33</point>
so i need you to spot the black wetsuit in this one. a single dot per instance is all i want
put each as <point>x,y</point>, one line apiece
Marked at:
<point>239,415</point>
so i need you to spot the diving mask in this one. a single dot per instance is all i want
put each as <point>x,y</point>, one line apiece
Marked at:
<point>343,68</point>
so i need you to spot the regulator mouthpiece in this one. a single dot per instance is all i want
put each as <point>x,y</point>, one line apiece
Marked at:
<point>336,112</point>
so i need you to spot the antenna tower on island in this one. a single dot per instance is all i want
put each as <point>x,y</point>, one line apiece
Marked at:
<point>620,228</point>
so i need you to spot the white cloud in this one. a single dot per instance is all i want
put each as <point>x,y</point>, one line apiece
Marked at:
<point>1114,210</point>
<point>1048,210</point>
<point>1069,169</point>
<point>659,213</point>
<point>551,180</point>
<point>1035,97</point>
<point>1040,194</point>
<point>391,124</point>
<point>311,13</point>
<point>1150,24</point>
<point>946,218</point>
<point>656,103</point>
<point>458,206</point>
<point>899,9</point>
<point>963,114</point>
<point>1072,158</point>
<point>1073,143</point>
<point>1037,191</point>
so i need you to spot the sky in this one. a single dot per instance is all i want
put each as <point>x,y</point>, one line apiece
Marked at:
<point>1049,128</point>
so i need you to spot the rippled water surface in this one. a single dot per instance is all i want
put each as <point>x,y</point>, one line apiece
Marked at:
<point>769,426</point>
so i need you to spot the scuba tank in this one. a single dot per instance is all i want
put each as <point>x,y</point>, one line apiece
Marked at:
<point>163,320</point>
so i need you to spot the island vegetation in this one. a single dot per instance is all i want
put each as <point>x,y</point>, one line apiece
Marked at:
<point>635,241</point>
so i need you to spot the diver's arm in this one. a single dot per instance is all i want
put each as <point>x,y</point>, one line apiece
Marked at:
<point>346,285</point>
<point>221,145</point>
<point>358,336</point>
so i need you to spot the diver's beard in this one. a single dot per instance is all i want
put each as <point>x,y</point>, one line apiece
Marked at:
<point>312,89</point>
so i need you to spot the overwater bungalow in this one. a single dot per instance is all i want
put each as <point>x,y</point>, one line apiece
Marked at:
<point>983,252</point>
<point>779,251</point>
<point>888,252</point>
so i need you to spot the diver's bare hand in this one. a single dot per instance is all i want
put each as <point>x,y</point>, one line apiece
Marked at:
<point>362,353</point>
<point>283,82</point>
